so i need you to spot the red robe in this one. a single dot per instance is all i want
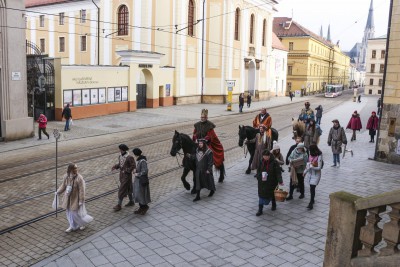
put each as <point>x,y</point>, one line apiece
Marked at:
<point>267,121</point>
<point>354,123</point>
<point>206,131</point>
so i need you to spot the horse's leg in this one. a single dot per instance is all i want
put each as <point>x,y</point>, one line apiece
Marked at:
<point>194,185</point>
<point>221,173</point>
<point>183,178</point>
<point>251,151</point>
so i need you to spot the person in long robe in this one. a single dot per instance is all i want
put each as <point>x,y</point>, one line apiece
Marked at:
<point>354,124</point>
<point>73,201</point>
<point>125,165</point>
<point>263,119</point>
<point>204,169</point>
<point>141,186</point>
<point>262,143</point>
<point>204,129</point>
<point>372,126</point>
<point>336,138</point>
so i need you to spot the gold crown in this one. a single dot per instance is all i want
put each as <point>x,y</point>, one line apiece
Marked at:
<point>204,112</point>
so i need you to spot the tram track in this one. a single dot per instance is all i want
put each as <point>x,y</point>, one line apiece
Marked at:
<point>229,138</point>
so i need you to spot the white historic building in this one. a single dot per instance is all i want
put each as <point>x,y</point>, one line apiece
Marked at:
<point>375,62</point>
<point>201,44</point>
<point>278,65</point>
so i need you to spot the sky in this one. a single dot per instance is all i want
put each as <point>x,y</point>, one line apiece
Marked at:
<point>346,17</point>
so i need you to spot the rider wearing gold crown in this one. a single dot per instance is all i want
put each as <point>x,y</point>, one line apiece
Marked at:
<point>204,129</point>
<point>265,119</point>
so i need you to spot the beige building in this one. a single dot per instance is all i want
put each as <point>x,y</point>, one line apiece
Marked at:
<point>237,44</point>
<point>14,120</point>
<point>375,63</point>
<point>278,66</point>
<point>388,145</point>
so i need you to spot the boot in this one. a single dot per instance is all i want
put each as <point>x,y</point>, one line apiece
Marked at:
<point>211,193</point>
<point>197,198</point>
<point>260,210</point>
<point>130,204</point>
<point>144,210</point>
<point>290,197</point>
<point>310,206</point>
<point>117,207</point>
<point>138,211</point>
<point>273,207</point>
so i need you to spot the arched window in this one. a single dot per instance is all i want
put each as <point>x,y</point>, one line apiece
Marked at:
<point>252,28</point>
<point>123,20</point>
<point>191,18</point>
<point>264,31</point>
<point>237,24</point>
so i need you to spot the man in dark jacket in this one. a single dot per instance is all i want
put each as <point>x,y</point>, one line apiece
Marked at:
<point>66,114</point>
<point>269,175</point>
<point>319,110</point>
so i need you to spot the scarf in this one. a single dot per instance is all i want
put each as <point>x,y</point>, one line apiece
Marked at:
<point>122,159</point>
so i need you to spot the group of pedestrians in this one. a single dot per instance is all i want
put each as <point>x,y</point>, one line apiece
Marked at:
<point>241,101</point>
<point>355,125</point>
<point>42,121</point>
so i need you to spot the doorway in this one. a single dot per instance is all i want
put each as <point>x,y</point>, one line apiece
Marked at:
<point>141,95</point>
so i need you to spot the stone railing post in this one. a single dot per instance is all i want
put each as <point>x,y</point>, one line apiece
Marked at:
<point>371,234</point>
<point>391,232</point>
<point>342,242</point>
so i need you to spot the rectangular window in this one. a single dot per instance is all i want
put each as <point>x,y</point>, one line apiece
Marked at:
<point>61,18</point>
<point>83,43</point>
<point>371,81</point>
<point>373,53</point>
<point>380,82</point>
<point>370,92</point>
<point>77,97</point>
<point>383,53</point>
<point>61,44</point>
<point>83,15</point>
<point>290,70</point>
<point>41,20</point>
<point>289,86</point>
<point>290,46</point>
<point>43,45</point>
<point>381,68</point>
<point>379,92</point>
<point>372,68</point>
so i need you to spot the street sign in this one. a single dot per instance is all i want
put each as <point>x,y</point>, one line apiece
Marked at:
<point>230,83</point>
<point>15,76</point>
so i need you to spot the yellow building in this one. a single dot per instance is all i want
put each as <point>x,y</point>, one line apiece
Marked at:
<point>233,42</point>
<point>313,61</point>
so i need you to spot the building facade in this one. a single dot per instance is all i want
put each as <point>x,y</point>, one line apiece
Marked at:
<point>14,120</point>
<point>233,42</point>
<point>388,144</point>
<point>375,65</point>
<point>278,67</point>
<point>313,61</point>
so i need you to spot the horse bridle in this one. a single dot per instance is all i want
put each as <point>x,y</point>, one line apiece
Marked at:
<point>179,153</point>
<point>245,150</point>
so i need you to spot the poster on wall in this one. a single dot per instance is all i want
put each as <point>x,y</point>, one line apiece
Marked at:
<point>168,90</point>
<point>86,97</point>
<point>102,95</point>
<point>110,95</point>
<point>67,97</point>
<point>124,93</point>
<point>77,97</point>
<point>117,94</point>
<point>94,96</point>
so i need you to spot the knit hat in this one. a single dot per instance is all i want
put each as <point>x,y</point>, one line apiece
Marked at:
<point>123,147</point>
<point>335,120</point>
<point>373,112</point>
<point>355,111</point>
<point>275,146</point>
<point>300,145</point>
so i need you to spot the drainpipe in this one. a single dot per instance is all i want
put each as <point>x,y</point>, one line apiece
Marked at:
<point>384,78</point>
<point>202,54</point>
<point>98,32</point>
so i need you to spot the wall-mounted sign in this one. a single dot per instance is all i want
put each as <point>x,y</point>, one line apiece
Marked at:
<point>84,80</point>
<point>230,83</point>
<point>16,76</point>
<point>167,90</point>
<point>146,66</point>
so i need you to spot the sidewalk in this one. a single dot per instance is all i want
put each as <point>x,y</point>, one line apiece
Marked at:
<point>224,231</point>
<point>141,118</point>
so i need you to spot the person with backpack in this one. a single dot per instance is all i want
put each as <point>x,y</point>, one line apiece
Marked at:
<point>318,114</point>
<point>67,115</point>
<point>311,134</point>
<point>336,138</point>
<point>312,173</point>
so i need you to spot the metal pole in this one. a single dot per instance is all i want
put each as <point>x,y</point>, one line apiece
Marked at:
<point>98,32</point>
<point>202,54</point>
<point>56,134</point>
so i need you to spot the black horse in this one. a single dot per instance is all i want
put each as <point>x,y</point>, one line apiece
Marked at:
<point>249,133</point>
<point>184,142</point>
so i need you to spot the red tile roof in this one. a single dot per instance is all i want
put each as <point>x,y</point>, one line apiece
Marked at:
<point>286,27</point>
<point>277,44</point>
<point>34,3</point>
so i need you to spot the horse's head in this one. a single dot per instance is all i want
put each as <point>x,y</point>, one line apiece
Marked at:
<point>176,144</point>
<point>242,135</point>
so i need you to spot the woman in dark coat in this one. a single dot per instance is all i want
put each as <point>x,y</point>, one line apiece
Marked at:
<point>248,100</point>
<point>354,124</point>
<point>372,125</point>
<point>269,175</point>
<point>141,187</point>
<point>204,169</point>
<point>241,102</point>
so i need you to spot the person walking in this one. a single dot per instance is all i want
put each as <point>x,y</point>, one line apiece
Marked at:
<point>298,160</point>
<point>354,124</point>
<point>269,175</point>
<point>318,114</point>
<point>312,173</point>
<point>262,143</point>
<point>126,165</point>
<point>297,140</point>
<point>204,169</point>
<point>141,186</point>
<point>73,201</point>
<point>42,120</point>
<point>372,126</point>
<point>336,138</point>
<point>241,102</point>
<point>291,96</point>
<point>248,100</point>
<point>359,98</point>
<point>67,115</point>
<point>379,105</point>
<point>306,113</point>
<point>311,134</point>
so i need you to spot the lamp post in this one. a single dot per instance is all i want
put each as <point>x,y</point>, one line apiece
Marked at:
<point>202,54</point>
<point>56,134</point>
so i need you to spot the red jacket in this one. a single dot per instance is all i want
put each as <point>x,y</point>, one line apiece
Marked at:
<point>354,123</point>
<point>42,121</point>
<point>372,123</point>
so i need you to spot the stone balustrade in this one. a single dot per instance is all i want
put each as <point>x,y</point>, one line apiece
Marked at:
<point>363,231</point>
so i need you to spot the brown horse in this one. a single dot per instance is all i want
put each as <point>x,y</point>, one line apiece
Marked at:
<point>298,128</point>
